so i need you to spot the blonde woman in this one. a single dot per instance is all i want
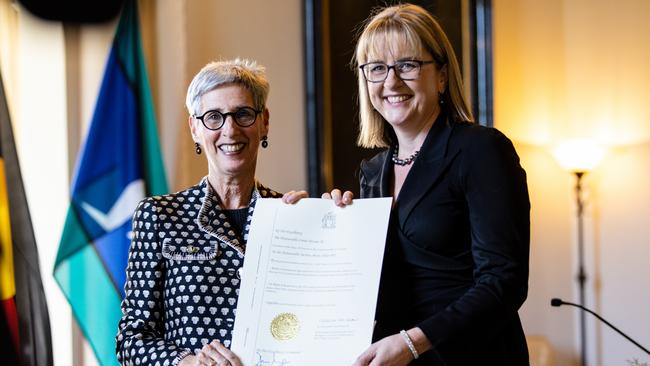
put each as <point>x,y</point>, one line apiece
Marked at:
<point>456,263</point>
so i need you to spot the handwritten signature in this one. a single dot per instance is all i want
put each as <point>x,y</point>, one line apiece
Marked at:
<point>270,360</point>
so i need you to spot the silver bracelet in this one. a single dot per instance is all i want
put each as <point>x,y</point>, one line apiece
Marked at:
<point>409,344</point>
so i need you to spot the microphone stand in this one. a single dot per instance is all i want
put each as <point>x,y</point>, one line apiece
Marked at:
<point>559,302</point>
<point>582,276</point>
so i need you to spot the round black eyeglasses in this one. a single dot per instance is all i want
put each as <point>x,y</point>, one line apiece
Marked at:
<point>214,120</point>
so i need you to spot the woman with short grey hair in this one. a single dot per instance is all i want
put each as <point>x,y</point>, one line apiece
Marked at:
<point>188,247</point>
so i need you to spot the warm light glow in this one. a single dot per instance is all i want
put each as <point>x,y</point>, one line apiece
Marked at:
<point>580,155</point>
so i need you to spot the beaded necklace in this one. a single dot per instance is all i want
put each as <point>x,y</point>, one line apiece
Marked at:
<point>406,161</point>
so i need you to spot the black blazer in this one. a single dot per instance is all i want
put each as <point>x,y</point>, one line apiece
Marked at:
<point>456,260</point>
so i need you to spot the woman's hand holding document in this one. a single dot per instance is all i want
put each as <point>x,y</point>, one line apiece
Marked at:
<point>310,281</point>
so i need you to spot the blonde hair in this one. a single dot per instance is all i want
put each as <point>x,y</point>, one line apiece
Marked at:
<point>238,71</point>
<point>414,28</point>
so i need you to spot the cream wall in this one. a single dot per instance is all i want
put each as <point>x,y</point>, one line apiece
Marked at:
<point>209,30</point>
<point>578,68</point>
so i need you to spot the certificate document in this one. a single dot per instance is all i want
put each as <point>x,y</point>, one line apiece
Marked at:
<point>310,282</point>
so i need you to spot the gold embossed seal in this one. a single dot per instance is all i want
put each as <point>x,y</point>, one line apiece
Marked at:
<point>285,326</point>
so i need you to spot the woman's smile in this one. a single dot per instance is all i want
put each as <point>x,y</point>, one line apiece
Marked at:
<point>231,149</point>
<point>397,99</point>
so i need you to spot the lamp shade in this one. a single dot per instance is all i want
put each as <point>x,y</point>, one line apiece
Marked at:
<point>579,155</point>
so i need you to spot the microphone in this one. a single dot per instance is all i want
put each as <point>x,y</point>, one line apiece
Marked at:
<point>559,302</point>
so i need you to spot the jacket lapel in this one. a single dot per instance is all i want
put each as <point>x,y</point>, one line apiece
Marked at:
<point>376,175</point>
<point>212,220</point>
<point>434,158</point>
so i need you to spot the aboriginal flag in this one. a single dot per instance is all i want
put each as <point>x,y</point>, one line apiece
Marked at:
<point>24,321</point>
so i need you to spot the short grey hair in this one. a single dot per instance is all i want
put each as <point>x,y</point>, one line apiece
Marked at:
<point>245,72</point>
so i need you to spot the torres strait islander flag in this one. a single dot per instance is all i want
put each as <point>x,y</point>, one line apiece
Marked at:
<point>24,320</point>
<point>119,164</point>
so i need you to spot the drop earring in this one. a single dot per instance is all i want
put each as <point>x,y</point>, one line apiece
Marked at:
<point>197,148</point>
<point>265,143</point>
<point>441,98</point>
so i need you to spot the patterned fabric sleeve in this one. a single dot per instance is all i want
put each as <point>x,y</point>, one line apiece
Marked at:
<point>140,339</point>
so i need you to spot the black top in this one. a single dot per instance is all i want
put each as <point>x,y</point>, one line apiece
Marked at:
<point>456,262</point>
<point>237,219</point>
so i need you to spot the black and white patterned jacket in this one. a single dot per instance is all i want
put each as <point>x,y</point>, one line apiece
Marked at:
<point>182,276</point>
